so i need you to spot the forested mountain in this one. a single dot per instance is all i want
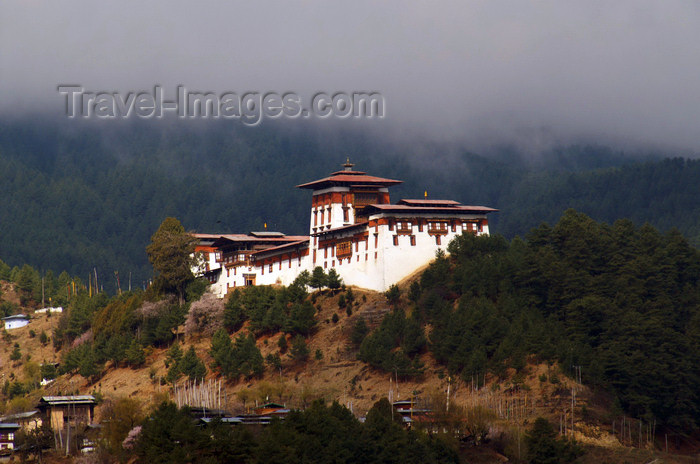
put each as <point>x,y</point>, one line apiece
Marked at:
<point>79,195</point>
<point>621,301</point>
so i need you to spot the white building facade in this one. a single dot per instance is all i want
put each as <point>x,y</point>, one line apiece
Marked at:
<point>353,229</point>
<point>16,321</point>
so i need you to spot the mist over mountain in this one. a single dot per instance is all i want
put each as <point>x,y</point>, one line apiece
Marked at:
<point>78,196</point>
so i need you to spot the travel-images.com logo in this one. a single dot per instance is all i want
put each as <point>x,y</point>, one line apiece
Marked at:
<point>249,107</point>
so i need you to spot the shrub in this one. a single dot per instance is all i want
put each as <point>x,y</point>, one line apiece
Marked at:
<point>205,316</point>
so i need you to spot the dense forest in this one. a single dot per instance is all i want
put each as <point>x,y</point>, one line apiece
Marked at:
<point>620,302</point>
<point>85,196</point>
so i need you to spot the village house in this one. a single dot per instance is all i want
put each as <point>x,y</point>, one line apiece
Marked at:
<point>67,411</point>
<point>28,420</point>
<point>353,228</point>
<point>7,436</point>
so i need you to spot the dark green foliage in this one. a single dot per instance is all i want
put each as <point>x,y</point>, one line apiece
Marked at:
<point>174,354</point>
<point>274,361</point>
<point>171,436</point>
<point>318,279</point>
<point>242,358</point>
<point>394,345</point>
<point>171,253</point>
<point>333,280</point>
<point>359,331</point>
<point>543,446</point>
<point>318,355</point>
<point>321,434</point>
<point>335,318</point>
<point>191,366</point>
<point>48,371</point>
<point>299,351</point>
<point>16,354</point>
<point>195,289</point>
<point>282,344</point>
<point>14,389</point>
<point>234,314</point>
<point>82,360</point>
<point>618,301</point>
<point>301,319</point>
<point>349,296</point>
<point>414,291</point>
<point>393,295</point>
<point>134,354</point>
<point>271,309</point>
<point>7,308</point>
<point>187,364</point>
<point>302,280</point>
<point>158,330</point>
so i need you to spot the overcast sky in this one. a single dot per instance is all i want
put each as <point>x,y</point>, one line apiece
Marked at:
<point>622,72</point>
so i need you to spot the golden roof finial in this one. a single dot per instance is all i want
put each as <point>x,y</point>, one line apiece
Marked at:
<point>348,165</point>
<point>425,194</point>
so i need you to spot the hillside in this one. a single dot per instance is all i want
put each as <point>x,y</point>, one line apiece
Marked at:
<point>515,399</point>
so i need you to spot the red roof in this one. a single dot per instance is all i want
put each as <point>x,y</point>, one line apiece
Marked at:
<point>427,202</point>
<point>281,248</point>
<point>351,178</point>
<point>342,228</point>
<point>449,209</point>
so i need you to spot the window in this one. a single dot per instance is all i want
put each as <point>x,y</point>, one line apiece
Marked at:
<point>396,240</point>
<point>270,267</point>
<point>403,227</point>
<point>413,240</point>
<point>437,240</point>
<point>391,225</point>
<point>437,227</point>
<point>420,226</point>
<point>343,249</point>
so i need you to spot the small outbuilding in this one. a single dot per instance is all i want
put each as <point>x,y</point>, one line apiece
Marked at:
<point>7,436</point>
<point>16,321</point>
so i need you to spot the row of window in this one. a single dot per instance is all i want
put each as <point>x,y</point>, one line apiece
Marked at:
<point>442,225</point>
